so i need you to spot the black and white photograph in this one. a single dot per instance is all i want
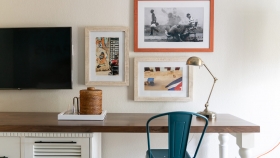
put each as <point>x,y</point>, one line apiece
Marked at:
<point>175,24</point>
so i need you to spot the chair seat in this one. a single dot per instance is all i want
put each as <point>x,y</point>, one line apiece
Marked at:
<point>162,153</point>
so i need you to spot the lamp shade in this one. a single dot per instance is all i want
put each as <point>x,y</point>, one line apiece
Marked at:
<point>195,61</point>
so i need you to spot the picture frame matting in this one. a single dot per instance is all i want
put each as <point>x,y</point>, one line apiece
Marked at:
<point>166,17</point>
<point>162,79</point>
<point>107,56</point>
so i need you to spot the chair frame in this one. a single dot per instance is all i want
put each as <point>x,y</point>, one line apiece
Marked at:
<point>176,112</point>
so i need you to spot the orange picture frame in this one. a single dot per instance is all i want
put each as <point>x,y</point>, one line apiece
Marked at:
<point>147,22</point>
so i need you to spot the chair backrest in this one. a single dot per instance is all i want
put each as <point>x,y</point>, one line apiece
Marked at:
<point>179,124</point>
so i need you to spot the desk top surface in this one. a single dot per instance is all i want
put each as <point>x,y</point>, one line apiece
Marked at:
<point>116,122</point>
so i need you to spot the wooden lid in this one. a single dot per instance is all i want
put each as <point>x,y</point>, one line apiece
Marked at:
<point>92,89</point>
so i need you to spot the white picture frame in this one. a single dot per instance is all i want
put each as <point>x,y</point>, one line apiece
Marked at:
<point>107,56</point>
<point>176,71</point>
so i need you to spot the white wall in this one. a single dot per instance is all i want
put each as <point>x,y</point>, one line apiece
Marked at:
<point>246,60</point>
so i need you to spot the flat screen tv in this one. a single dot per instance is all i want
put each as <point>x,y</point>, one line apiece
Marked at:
<point>36,58</point>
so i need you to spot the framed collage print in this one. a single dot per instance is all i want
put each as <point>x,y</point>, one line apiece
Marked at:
<point>106,56</point>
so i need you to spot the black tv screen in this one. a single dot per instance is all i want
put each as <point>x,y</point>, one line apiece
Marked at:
<point>36,58</point>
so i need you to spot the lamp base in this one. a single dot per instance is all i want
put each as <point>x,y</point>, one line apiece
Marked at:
<point>208,114</point>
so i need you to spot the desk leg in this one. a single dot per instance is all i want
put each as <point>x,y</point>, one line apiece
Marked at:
<point>223,147</point>
<point>245,141</point>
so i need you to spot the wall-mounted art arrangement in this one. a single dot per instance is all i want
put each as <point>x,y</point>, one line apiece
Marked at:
<point>106,56</point>
<point>173,26</point>
<point>162,79</point>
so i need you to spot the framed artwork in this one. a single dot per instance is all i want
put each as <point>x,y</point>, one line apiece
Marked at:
<point>106,56</point>
<point>173,25</point>
<point>162,79</point>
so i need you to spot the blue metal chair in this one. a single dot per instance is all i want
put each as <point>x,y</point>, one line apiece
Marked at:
<point>179,124</point>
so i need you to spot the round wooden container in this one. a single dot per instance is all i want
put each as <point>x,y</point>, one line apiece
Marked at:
<point>90,101</point>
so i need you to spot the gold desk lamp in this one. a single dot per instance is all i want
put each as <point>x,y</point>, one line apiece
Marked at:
<point>196,61</point>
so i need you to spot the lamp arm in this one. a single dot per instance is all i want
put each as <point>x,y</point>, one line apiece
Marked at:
<point>210,73</point>
<point>215,79</point>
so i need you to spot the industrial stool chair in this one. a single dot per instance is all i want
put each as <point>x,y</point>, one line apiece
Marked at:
<point>179,124</point>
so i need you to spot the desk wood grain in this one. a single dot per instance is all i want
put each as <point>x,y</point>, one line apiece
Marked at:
<point>115,122</point>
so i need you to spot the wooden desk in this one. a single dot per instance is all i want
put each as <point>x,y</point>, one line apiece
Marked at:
<point>132,123</point>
